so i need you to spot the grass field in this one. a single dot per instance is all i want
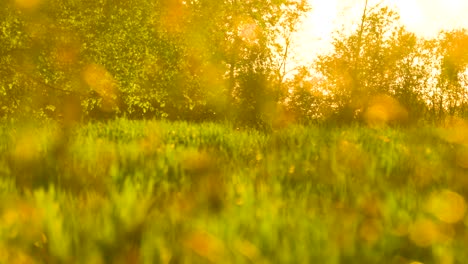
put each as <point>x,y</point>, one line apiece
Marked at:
<point>161,192</point>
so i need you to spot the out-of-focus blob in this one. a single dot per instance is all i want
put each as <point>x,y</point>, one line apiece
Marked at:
<point>384,109</point>
<point>455,130</point>
<point>197,163</point>
<point>424,233</point>
<point>152,141</point>
<point>27,147</point>
<point>28,4</point>
<point>210,76</point>
<point>207,185</point>
<point>17,214</point>
<point>448,206</point>
<point>462,157</point>
<point>350,157</point>
<point>71,110</point>
<point>249,250</point>
<point>65,55</point>
<point>282,117</point>
<point>371,230</point>
<point>102,82</point>
<point>248,31</point>
<point>206,246</point>
<point>173,16</point>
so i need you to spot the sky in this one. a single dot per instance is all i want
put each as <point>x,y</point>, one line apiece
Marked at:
<point>424,17</point>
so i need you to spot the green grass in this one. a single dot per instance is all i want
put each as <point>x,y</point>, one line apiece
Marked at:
<point>161,192</point>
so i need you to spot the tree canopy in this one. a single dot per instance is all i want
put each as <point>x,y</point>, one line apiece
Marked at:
<point>216,60</point>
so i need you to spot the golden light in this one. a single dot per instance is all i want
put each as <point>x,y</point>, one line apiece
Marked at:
<point>173,15</point>
<point>322,16</point>
<point>152,141</point>
<point>384,109</point>
<point>448,206</point>
<point>249,250</point>
<point>370,231</point>
<point>424,233</point>
<point>424,17</point>
<point>411,13</point>
<point>462,157</point>
<point>99,79</point>
<point>314,36</point>
<point>102,82</point>
<point>27,147</point>
<point>65,55</point>
<point>451,11</point>
<point>428,17</point>
<point>454,5</point>
<point>248,31</point>
<point>28,4</point>
<point>206,246</point>
<point>455,130</point>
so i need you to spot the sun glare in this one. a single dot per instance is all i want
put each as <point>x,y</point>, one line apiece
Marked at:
<point>411,14</point>
<point>454,5</point>
<point>424,17</point>
<point>323,16</point>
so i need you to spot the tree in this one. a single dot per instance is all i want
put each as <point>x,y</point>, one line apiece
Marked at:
<point>376,59</point>
<point>242,38</point>
<point>454,64</point>
<point>139,58</point>
<point>306,101</point>
<point>13,45</point>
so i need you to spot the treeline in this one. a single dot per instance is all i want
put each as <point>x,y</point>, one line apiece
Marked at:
<point>216,60</point>
<point>382,73</point>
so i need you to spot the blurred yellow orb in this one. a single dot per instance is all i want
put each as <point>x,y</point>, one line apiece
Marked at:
<point>447,206</point>
<point>27,4</point>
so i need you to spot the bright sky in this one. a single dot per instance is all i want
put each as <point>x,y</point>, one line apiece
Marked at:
<point>424,17</point>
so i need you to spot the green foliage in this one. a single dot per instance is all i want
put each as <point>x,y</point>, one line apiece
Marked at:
<point>420,79</point>
<point>12,41</point>
<point>211,60</point>
<point>306,102</point>
<point>175,59</point>
<point>152,192</point>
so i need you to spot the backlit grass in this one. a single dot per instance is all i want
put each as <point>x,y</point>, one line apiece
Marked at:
<point>174,192</point>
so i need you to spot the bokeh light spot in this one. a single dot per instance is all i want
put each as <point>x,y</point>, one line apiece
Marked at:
<point>248,31</point>
<point>102,82</point>
<point>455,130</point>
<point>447,206</point>
<point>27,147</point>
<point>462,157</point>
<point>384,109</point>
<point>424,233</point>
<point>206,246</point>
<point>28,4</point>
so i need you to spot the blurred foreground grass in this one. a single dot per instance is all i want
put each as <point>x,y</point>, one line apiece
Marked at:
<point>161,192</point>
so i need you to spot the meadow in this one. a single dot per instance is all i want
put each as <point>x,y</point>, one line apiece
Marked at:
<point>128,191</point>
